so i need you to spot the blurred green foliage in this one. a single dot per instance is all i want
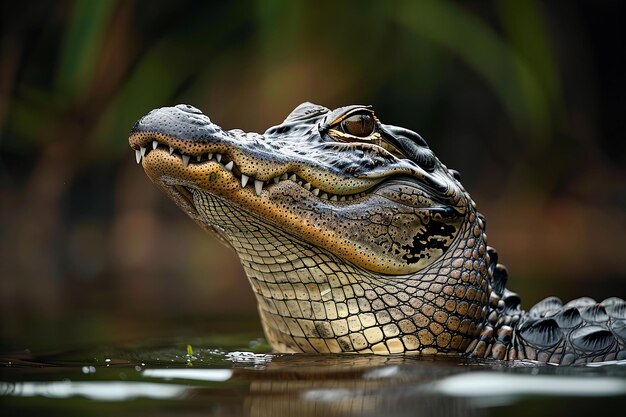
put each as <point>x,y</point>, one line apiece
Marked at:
<point>180,59</point>
<point>79,51</point>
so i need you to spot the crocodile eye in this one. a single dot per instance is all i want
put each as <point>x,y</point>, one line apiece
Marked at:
<point>359,125</point>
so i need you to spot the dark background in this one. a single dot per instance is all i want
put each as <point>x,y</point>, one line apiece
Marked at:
<point>526,99</point>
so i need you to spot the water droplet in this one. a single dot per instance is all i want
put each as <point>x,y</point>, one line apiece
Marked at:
<point>88,369</point>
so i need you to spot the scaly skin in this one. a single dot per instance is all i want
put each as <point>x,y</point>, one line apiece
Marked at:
<point>356,238</point>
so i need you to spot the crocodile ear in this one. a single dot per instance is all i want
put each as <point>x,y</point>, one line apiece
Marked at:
<point>305,111</point>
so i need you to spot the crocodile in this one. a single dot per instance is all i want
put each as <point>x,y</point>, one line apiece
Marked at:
<point>356,238</point>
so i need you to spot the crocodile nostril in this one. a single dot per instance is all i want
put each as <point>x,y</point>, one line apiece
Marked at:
<point>188,108</point>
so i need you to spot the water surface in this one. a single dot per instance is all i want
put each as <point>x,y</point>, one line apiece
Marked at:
<point>234,374</point>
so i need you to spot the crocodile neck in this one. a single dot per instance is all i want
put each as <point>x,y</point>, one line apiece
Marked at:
<point>312,301</point>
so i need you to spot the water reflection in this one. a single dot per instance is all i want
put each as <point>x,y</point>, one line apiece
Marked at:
<point>96,390</point>
<point>258,384</point>
<point>216,375</point>
<point>491,384</point>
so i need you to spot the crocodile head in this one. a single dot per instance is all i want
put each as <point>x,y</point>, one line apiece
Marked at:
<point>354,236</point>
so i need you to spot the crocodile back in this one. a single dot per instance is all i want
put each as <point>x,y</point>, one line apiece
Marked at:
<point>581,331</point>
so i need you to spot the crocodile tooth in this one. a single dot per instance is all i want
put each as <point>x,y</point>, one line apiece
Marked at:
<point>316,191</point>
<point>143,151</point>
<point>333,198</point>
<point>171,150</point>
<point>218,156</point>
<point>293,177</point>
<point>154,144</point>
<point>307,186</point>
<point>276,180</point>
<point>138,155</point>
<point>199,158</point>
<point>229,166</point>
<point>284,176</point>
<point>342,198</point>
<point>258,186</point>
<point>324,196</point>
<point>185,160</point>
<point>244,179</point>
<point>209,156</point>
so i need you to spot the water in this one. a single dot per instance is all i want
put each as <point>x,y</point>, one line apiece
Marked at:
<point>234,375</point>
